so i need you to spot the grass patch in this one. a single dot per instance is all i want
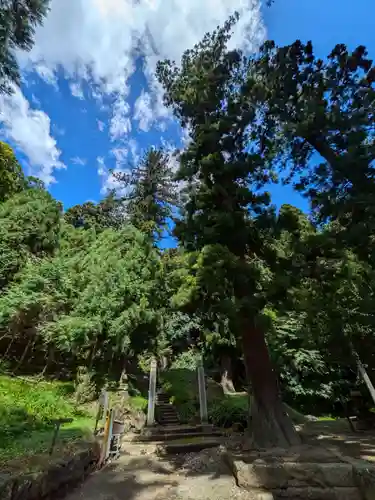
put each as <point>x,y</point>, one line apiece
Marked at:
<point>27,407</point>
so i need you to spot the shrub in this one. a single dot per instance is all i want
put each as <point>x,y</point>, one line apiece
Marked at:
<point>228,411</point>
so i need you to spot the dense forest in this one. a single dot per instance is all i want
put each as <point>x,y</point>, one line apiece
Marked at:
<point>276,300</point>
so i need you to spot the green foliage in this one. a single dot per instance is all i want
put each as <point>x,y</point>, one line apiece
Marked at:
<point>229,410</point>
<point>12,179</point>
<point>18,21</point>
<point>108,213</point>
<point>29,227</point>
<point>138,403</point>
<point>151,192</point>
<point>187,360</point>
<point>309,105</point>
<point>29,405</point>
<point>181,384</point>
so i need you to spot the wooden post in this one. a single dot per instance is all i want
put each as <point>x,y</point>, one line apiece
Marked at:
<point>58,422</point>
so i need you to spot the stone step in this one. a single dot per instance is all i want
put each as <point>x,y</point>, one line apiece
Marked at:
<point>183,429</point>
<point>169,421</point>
<point>176,447</point>
<point>166,411</point>
<point>172,436</point>
<point>312,493</point>
<point>297,474</point>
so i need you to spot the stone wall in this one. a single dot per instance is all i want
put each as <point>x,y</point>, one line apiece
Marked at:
<point>54,482</point>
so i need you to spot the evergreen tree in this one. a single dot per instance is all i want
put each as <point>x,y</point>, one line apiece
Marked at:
<point>316,118</point>
<point>224,175</point>
<point>18,20</point>
<point>151,192</point>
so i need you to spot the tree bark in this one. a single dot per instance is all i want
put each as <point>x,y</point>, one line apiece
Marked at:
<point>270,424</point>
<point>226,375</point>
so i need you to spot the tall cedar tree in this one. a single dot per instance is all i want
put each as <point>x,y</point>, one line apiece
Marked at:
<point>18,20</point>
<point>317,118</point>
<point>224,173</point>
<point>151,192</point>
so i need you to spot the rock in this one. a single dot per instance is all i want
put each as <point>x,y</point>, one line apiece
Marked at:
<point>245,475</point>
<point>311,493</point>
<point>364,477</point>
<point>34,486</point>
<point>311,418</point>
<point>209,461</point>
<point>292,474</point>
<point>6,487</point>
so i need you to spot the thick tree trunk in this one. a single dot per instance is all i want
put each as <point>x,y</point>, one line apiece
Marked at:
<point>270,424</point>
<point>226,375</point>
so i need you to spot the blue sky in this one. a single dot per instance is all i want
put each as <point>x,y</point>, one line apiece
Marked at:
<point>89,103</point>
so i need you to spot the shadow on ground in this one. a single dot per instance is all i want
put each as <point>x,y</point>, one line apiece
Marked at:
<point>140,474</point>
<point>360,445</point>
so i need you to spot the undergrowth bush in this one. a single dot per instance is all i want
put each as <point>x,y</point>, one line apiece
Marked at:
<point>228,411</point>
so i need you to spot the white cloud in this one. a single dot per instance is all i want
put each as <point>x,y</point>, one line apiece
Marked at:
<point>77,160</point>
<point>35,101</point>
<point>135,154</point>
<point>121,156</point>
<point>143,112</point>
<point>109,181</point>
<point>76,90</point>
<point>101,125</point>
<point>30,130</point>
<point>99,40</point>
<point>120,124</point>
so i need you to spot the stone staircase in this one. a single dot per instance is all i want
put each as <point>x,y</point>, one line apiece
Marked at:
<point>165,412</point>
<point>174,437</point>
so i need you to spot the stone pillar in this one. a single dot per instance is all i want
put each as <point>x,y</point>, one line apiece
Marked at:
<point>202,392</point>
<point>152,393</point>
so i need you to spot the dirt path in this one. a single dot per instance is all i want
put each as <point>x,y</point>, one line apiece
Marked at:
<point>140,475</point>
<point>136,475</point>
